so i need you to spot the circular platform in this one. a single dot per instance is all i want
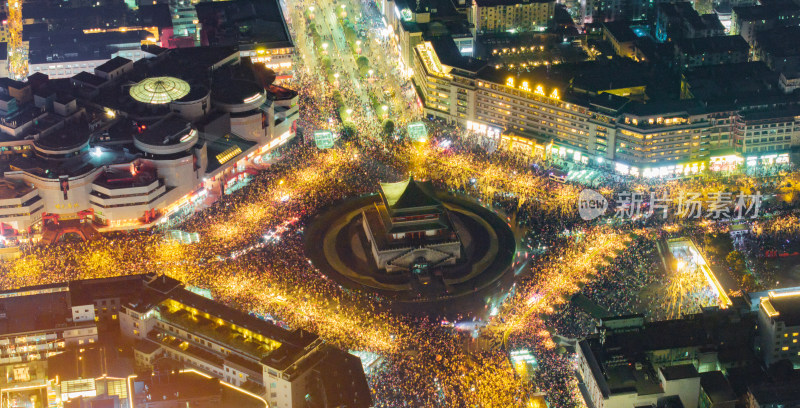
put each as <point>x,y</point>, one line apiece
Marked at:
<point>337,245</point>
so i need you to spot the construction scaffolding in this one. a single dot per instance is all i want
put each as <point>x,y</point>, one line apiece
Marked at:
<point>17,51</point>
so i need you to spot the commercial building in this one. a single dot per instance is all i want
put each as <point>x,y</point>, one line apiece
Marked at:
<point>103,342</point>
<point>503,16</point>
<point>542,112</point>
<point>290,369</point>
<point>256,28</point>
<point>131,143</point>
<point>633,363</point>
<point>63,39</point>
<point>62,54</point>
<point>190,388</point>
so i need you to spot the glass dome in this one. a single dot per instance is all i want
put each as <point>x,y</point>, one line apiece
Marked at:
<point>159,90</point>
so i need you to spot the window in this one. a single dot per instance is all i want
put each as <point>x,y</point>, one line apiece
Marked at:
<point>785,348</point>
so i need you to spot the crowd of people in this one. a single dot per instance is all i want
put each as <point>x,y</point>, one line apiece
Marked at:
<point>422,363</point>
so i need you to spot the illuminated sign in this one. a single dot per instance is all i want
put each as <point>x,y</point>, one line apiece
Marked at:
<point>323,139</point>
<point>539,90</point>
<point>406,14</point>
<point>228,154</point>
<point>417,131</point>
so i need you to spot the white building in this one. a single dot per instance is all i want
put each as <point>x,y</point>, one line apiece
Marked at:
<point>779,327</point>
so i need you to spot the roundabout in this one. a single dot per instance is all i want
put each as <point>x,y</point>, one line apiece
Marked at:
<point>426,251</point>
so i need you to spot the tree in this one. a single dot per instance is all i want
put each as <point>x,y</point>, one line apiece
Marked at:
<point>349,132</point>
<point>363,65</point>
<point>388,127</point>
<point>736,261</point>
<point>748,283</point>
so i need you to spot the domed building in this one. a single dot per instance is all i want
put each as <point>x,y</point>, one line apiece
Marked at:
<point>139,148</point>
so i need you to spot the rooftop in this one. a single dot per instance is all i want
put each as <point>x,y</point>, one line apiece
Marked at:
<point>112,64</point>
<point>169,131</point>
<point>712,45</point>
<point>243,22</point>
<point>621,31</point>
<point>716,386</point>
<point>89,79</point>
<point>159,90</point>
<point>192,386</point>
<point>449,55</point>
<point>492,3</point>
<point>236,91</point>
<point>764,12</point>
<point>679,372</point>
<point>780,42</point>
<point>783,306</point>
<point>35,313</point>
<point>409,194</point>
<point>787,394</point>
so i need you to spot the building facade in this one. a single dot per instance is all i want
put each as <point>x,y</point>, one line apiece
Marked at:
<point>493,16</point>
<point>779,327</point>
<point>289,369</point>
<point>542,116</point>
<point>66,141</point>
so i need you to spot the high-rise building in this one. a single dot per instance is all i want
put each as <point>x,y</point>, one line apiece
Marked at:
<point>504,16</point>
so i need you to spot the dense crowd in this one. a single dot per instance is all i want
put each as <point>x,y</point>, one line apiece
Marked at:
<point>422,363</point>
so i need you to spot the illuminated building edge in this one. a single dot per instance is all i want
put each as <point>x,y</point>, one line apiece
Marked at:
<point>534,118</point>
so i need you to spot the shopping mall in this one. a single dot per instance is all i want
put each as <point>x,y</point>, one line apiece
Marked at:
<point>606,123</point>
<point>137,143</point>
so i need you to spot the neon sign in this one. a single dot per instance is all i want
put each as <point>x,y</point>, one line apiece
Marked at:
<point>539,90</point>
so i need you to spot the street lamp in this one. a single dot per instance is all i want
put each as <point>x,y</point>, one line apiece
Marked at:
<point>324,46</point>
<point>370,72</point>
<point>349,111</point>
<point>311,9</point>
<point>385,108</point>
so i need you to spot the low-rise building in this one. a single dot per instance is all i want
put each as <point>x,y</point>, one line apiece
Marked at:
<point>676,20</point>
<point>702,51</point>
<point>747,21</point>
<point>290,369</point>
<point>631,363</point>
<point>779,49</point>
